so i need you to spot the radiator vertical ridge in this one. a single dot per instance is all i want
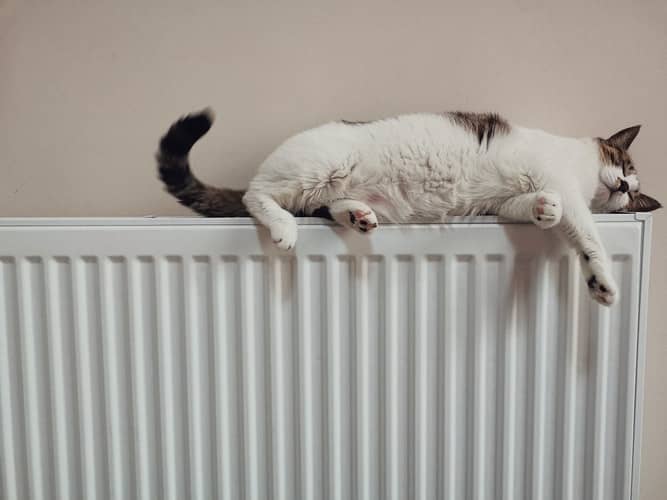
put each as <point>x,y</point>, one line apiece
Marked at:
<point>174,462</point>
<point>87,326</point>
<point>488,282</point>
<point>13,465</point>
<point>262,268</point>
<point>509,360</point>
<point>255,377</point>
<point>615,377</point>
<point>63,400</point>
<point>370,354</point>
<point>464,375</point>
<point>201,429</point>
<point>559,357</point>
<point>142,310</point>
<point>394,474</point>
<point>570,360</point>
<point>192,400</point>
<point>450,386</point>
<point>284,362</point>
<point>540,394</point>
<point>247,318</point>
<point>443,331</point>
<point>321,328</point>
<point>117,376</point>
<point>314,394</point>
<point>337,476</point>
<point>599,416</point>
<point>425,377</point>
<point>367,486</point>
<point>502,329</point>
<point>138,362</point>
<point>468,378</point>
<point>228,369</point>
<point>479,365</point>
<point>629,279</point>
<point>306,450</point>
<point>31,309</point>
<point>340,319</point>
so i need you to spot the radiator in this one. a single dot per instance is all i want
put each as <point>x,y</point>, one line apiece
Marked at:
<point>188,358</point>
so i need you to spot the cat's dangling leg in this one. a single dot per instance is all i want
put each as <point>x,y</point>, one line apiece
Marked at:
<point>546,209</point>
<point>353,214</point>
<point>542,208</point>
<point>281,223</point>
<point>579,228</point>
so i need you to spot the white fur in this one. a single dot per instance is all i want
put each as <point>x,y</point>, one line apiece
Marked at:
<point>424,167</point>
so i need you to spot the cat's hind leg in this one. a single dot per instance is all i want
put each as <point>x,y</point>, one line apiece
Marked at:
<point>354,214</point>
<point>280,222</point>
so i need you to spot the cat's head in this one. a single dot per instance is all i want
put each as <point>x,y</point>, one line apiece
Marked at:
<point>618,190</point>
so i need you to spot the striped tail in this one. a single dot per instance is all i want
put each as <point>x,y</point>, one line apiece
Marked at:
<point>174,170</point>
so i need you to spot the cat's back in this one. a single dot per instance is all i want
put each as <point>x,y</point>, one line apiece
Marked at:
<point>444,144</point>
<point>403,134</point>
<point>416,130</point>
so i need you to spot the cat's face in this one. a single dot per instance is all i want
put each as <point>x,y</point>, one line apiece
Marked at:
<point>618,190</point>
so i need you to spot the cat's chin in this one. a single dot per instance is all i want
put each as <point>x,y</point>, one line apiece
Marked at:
<point>606,200</point>
<point>615,202</point>
<point>601,198</point>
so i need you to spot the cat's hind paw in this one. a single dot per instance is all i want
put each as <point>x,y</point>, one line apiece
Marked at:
<point>354,214</point>
<point>547,210</point>
<point>363,221</point>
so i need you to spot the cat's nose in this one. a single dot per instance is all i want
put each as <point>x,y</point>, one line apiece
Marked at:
<point>623,187</point>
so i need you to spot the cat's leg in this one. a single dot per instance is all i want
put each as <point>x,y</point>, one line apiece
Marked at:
<point>353,214</point>
<point>546,209</point>
<point>579,228</point>
<point>280,222</point>
<point>543,208</point>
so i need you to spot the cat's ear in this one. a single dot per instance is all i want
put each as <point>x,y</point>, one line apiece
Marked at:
<point>643,203</point>
<point>624,138</point>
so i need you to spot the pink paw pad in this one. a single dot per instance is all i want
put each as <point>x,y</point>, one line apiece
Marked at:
<point>363,220</point>
<point>547,210</point>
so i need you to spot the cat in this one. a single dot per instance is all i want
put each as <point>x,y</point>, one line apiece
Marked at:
<point>423,168</point>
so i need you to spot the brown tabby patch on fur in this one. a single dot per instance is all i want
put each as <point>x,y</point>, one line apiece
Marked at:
<point>350,122</point>
<point>483,125</point>
<point>611,155</point>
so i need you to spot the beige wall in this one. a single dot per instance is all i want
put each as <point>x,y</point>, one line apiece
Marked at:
<point>86,88</point>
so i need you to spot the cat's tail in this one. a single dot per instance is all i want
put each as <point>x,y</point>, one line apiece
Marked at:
<point>174,170</point>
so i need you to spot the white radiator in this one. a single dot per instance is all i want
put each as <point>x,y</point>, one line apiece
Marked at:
<point>187,358</point>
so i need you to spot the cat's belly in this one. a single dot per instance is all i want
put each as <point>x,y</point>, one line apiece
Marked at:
<point>424,191</point>
<point>417,198</point>
<point>422,186</point>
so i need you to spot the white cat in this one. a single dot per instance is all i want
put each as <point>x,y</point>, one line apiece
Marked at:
<point>423,168</point>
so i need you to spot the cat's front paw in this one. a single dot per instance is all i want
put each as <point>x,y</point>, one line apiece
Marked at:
<point>601,284</point>
<point>547,210</point>
<point>283,233</point>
